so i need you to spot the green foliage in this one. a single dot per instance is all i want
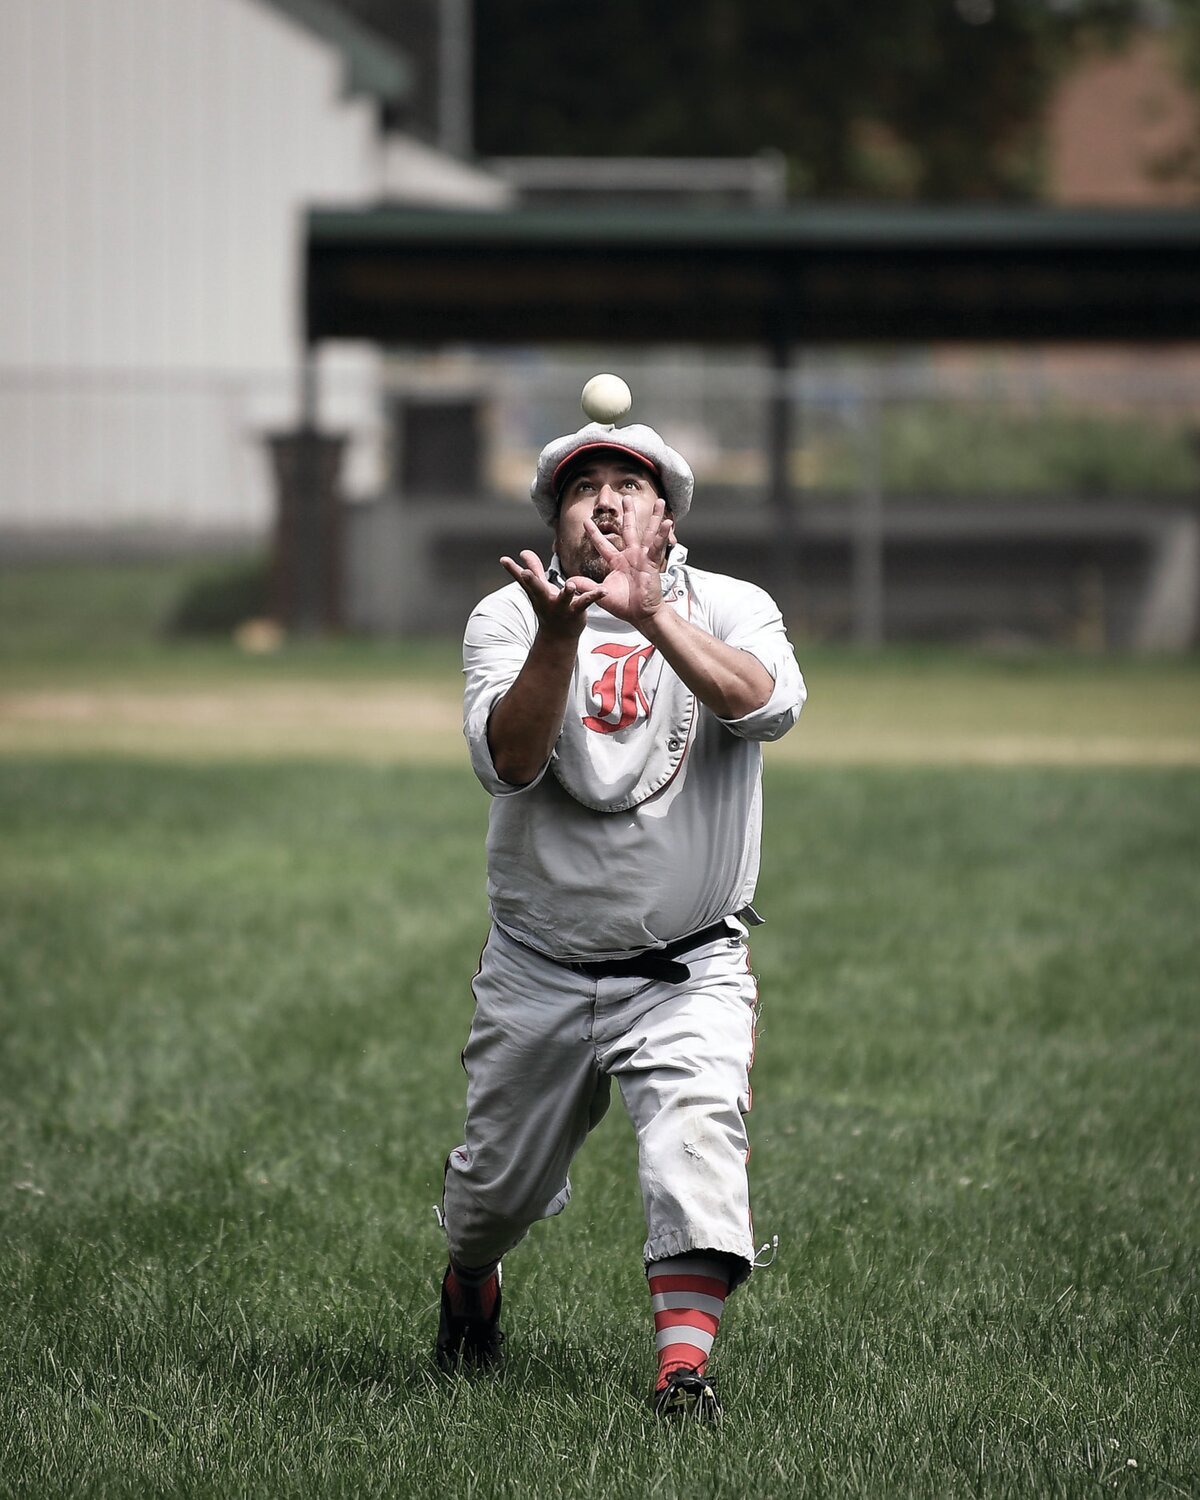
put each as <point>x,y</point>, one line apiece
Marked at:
<point>232,1002</point>
<point>96,606</point>
<point>1186,35</point>
<point>936,102</point>
<point>960,451</point>
<point>1181,163</point>
<point>223,598</point>
<point>167,617</point>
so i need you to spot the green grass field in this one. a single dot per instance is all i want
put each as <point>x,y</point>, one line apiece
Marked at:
<point>232,994</point>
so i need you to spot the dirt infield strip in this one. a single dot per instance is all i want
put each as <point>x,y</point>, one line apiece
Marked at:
<point>385,724</point>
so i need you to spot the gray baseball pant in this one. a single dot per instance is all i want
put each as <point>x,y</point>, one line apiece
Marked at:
<point>546,1043</point>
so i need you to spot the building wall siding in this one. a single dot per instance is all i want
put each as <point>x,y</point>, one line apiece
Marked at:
<point>155,157</point>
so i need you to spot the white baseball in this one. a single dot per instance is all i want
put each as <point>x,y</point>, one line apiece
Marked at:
<point>605,398</point>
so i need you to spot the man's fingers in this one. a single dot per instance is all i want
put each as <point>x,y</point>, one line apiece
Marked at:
<point>658,534</point>
<point>629,524</point>
<point>577,594</point>
<point>533,564</point>
<point>629,532</point>
<point>601,543</point>
<point>524,577</point>
<point>529,570</point>
<point>540,592</point>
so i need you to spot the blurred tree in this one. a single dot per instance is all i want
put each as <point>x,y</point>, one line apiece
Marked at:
<point>925,99</point>
<point>934,99</point>
<point>1186,45</point>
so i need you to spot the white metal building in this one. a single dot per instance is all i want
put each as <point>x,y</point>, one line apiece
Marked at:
<point>155,157</point>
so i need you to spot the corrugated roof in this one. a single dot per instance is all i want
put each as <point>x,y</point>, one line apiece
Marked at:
<point>373,66</point>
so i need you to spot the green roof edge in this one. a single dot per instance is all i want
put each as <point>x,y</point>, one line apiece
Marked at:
<point>813,223</point>
<point>372,65</point>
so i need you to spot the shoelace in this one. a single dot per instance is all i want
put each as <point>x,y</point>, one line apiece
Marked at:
<point>773,1246</point>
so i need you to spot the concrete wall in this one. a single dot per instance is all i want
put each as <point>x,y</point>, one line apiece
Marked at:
<point>1122,576</point>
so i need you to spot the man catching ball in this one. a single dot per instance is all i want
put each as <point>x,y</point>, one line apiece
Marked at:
<point>615,706</point>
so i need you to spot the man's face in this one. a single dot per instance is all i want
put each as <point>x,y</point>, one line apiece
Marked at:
<point>594,491</point>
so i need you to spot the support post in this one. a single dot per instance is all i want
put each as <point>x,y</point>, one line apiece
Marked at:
<point>456,127</point>
<point>306,572</point>
<point>779,485</point>
<point>867,566</point>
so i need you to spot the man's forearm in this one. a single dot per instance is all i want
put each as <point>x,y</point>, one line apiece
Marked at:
<point>526,723</point>
<point>730,682</point>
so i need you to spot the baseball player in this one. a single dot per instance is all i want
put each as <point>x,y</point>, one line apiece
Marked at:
<point>615,706</point>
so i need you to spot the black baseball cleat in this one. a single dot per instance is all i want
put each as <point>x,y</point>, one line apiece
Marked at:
<point>469,1335</point>
<point>687,1396</point>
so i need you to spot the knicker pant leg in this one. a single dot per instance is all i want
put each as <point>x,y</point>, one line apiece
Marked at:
<point>683,1069</point>
<point>533,1092</point>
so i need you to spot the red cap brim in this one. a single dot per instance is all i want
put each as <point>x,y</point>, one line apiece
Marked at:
<point>642,461</point>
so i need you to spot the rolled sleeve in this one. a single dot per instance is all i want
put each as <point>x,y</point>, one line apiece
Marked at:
<point>748,619</point>
<point>498,636</point>
<point>781,710</point>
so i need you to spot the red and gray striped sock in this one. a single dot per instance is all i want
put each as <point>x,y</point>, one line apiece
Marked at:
<point>688,1297</point>
<point>473,1289</point>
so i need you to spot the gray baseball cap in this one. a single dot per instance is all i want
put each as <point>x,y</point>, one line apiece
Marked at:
<point>675,476</point>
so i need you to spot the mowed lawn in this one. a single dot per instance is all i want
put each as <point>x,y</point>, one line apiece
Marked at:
<point>233,998</point>
<point>234,982</point>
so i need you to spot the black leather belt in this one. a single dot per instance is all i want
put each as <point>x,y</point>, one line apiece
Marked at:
<point>655,963</point>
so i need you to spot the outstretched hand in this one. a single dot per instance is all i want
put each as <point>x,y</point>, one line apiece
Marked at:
<point>561,611</point>
<point>632,589</point>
